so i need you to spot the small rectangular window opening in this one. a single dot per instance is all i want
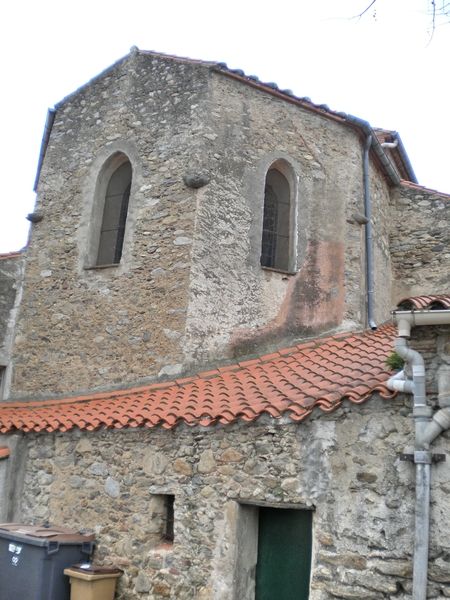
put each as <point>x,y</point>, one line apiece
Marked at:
<point>169,518</point>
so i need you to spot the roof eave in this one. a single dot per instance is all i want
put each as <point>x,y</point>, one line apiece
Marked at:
<point>381,155</point>
<point>340,117</point>
<point>405,159</point>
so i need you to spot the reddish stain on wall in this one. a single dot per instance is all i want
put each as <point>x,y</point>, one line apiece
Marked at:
<point>314,301</point>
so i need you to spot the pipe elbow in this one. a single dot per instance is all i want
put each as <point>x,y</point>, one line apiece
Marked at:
<point>410,356</point>
<point>401,386</point>
<point>439,423</point>
<point>397,382</point>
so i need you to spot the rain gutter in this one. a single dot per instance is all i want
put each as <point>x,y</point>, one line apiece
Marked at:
<point>405,159</point>
<point>44,144</point>
<point>376,147</point>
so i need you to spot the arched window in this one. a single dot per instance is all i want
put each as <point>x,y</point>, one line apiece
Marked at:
<point>276,247</point>
<point>114,218</point>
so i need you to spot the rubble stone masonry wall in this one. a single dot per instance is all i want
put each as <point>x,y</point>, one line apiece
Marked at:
<point>82,328</point>
<point>420,241</point>
<point>189,290</point>
<point>238,308</point>
<point>344,466</point>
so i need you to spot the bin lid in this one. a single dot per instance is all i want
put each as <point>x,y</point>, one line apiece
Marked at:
<point>39,532</point>
<point>90,576</point>
<point>95,569</point>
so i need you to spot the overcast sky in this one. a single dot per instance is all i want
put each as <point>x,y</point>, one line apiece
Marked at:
<point>382,67</point>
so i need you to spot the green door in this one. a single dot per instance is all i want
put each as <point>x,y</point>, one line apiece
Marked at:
<point>284,554</point>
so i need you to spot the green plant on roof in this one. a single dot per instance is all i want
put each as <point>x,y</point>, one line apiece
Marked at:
<point>394,361</point>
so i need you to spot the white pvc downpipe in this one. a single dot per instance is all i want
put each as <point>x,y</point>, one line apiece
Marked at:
<point>426,430</point>
<point>422,460</point>
<point>407,319</point>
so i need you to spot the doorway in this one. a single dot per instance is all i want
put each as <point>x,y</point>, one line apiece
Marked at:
<point>284,554</point>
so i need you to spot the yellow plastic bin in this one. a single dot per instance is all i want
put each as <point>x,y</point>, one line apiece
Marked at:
<point>89,582</point>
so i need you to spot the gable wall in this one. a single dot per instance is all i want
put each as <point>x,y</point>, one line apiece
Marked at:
<point>81,329</point>
<point>163,310</point>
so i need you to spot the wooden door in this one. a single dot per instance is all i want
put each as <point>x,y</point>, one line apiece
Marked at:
<point>284,554</point>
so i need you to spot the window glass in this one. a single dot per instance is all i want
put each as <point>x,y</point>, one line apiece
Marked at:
<point>114,216</point>
<point>275,248</point>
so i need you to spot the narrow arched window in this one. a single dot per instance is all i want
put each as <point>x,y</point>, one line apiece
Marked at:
<point>276,234</point>
<point>114,218</point>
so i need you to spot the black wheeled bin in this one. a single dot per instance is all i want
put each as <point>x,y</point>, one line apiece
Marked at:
<point>33,559</point>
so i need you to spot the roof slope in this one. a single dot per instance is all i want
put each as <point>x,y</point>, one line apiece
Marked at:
<point>388,166</point>
<point>291,382</point>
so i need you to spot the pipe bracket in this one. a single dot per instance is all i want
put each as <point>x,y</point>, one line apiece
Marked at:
<point>422,411</point>
<point>437,458</point>
<point>421,456</point>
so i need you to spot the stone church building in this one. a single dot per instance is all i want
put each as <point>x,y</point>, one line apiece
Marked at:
<point>193,343</point>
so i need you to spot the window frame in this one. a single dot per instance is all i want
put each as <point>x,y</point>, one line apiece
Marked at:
<point>119,220</point>
<point>287,171</point>
<point>105,173</point>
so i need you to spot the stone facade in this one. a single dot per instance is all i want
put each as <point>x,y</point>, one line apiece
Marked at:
<point>120,324</point>
<point>420,241</point>
<point>191,255</point>
<point>236,306</point>
<point>344,466</point>
<point>189,293</point>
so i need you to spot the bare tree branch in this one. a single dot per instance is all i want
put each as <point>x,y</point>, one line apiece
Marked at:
<point>365,10</point>
<point>433,16</point>
<point>438,8</point>
<point>444,9</point>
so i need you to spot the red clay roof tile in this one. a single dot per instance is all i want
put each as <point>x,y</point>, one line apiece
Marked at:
<point>4,452</point>
<point>8,255</point>
<point>416,186</point>
<point>293,382</point>
<point>440,302</point>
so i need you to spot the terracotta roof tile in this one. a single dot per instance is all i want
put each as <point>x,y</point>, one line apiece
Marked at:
<point>4,452</point>
<point>440,302</point>
<point>423,188</point>
<point>8,255</point>
<point>293,382</point>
